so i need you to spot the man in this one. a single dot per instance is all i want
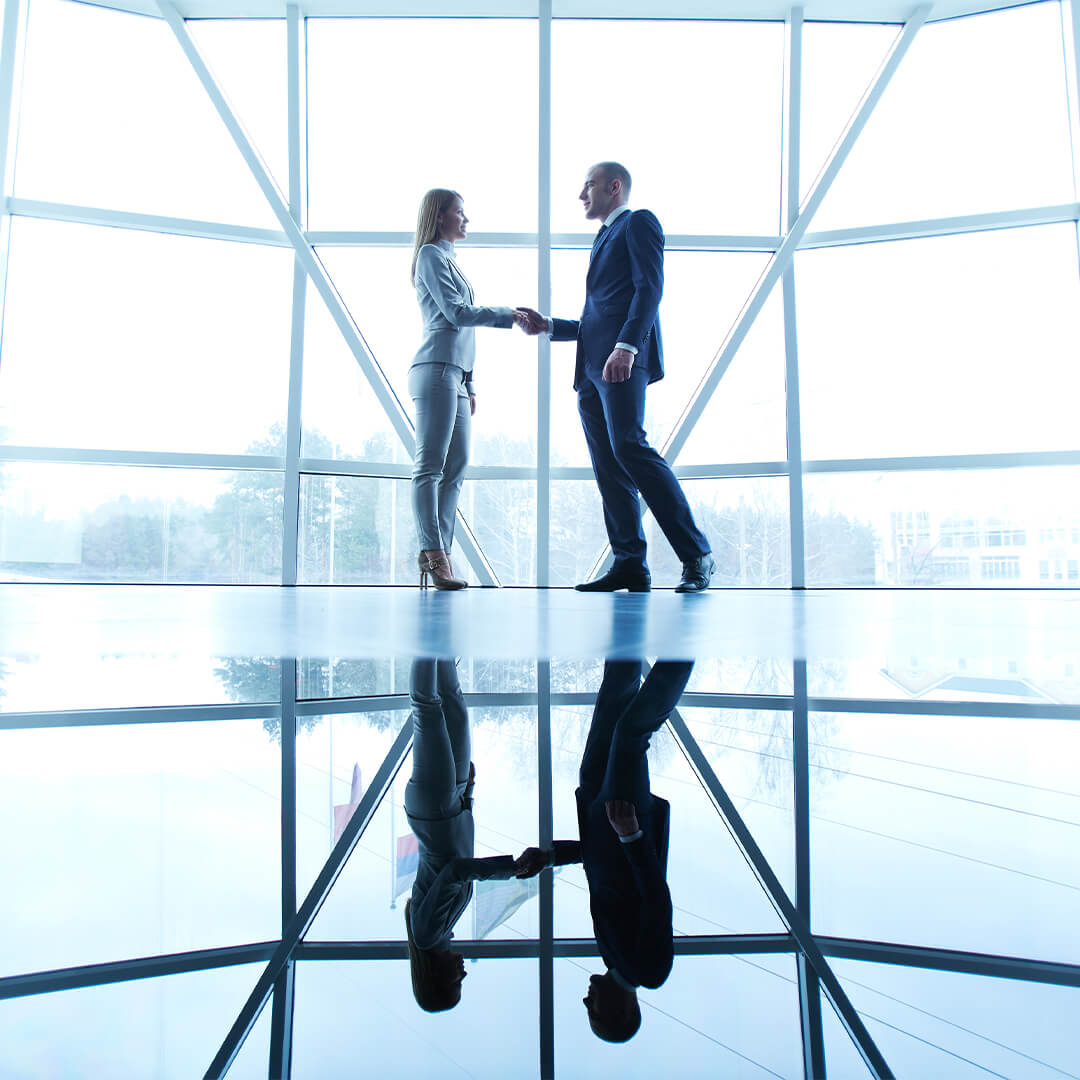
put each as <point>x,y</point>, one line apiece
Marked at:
<point>619,352</point>
<point>624,838</point>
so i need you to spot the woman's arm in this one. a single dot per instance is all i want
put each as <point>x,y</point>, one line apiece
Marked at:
<point>433,272</point>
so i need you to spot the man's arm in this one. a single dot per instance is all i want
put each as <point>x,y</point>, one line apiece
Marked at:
<point>654,948</point>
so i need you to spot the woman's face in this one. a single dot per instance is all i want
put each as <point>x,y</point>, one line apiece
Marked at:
<point>452,221</point>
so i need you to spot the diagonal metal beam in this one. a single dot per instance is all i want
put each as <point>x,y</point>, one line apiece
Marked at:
<point>785,909</point>
<point>312,264</point>
<point>786,252</point>
<point>305,916</point>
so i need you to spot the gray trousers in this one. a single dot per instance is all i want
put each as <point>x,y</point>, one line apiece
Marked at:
<point>441,741</point>
<point>443,422</point>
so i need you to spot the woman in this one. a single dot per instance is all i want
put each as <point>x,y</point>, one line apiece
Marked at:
<point>438,802</point>
<point>441,378</point>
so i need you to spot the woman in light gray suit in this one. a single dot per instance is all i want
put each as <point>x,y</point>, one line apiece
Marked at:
<point>441,378</point>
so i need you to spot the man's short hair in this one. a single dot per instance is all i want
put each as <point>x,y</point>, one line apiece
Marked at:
<point>617,1028</point>
<point>612,170</point>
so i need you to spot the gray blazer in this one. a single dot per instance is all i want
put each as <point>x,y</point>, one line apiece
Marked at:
<point>447,309</point>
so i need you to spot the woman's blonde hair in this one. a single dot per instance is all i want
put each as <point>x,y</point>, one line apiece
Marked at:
<point>432,205</point>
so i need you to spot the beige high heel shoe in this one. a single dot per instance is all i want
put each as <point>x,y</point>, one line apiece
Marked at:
<point>437,565</point>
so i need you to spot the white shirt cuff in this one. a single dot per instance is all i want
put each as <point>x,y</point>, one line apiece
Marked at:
<point>629,348</point>
<point>632,837</point>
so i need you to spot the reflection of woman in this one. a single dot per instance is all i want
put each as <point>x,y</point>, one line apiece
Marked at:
<point>438,802</point>
<point>440,378</point>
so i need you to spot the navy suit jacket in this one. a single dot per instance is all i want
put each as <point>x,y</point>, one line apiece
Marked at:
<point>628,894</point>
<point>622,297</point>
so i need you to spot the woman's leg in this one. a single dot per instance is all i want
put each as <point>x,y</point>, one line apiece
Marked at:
<point>435,401</point>
<point>457,457</point>
<point>432,791</point>
<point>456,717</point>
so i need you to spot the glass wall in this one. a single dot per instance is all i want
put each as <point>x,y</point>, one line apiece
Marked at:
<point>154,349</point>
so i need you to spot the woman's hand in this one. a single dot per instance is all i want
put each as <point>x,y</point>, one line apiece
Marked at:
<point>472,403</point>
<point>532,322</point>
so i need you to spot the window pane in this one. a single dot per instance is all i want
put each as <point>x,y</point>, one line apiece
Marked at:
<point>956,832</point>
<point>124,340</point>
<point>730,1016</point>
<point>491,1034</point>
<point>140,822</point>
<point>750,752</point>
<point>953,345</point>
<point>370,166</point>
<point>696,143</point>
<point>951,135</point>
<point>371,892</point>
<point>121,523</point>
<point>168,1028</point>
<point>63,680</point>
<point>839,61</point>
<point>113,115</point>
<point>941,1023</point>
<point>936,528</point>
<point>249,58</point>
<point>374,282</point>
<point>747,524</point>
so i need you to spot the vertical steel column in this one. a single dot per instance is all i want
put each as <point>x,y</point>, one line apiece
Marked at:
<point>1070,33</point>
<point>543,303</point>
<point>547,881</point>
<point>12,51</point>
<point>790,214</point>
<point>281,1018</point>
<point>296,29</point>
<point>813,1040</point>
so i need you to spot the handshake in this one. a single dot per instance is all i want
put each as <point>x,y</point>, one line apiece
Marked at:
<point>532,322</point>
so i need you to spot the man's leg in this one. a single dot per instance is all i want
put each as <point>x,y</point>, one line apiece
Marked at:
<point>622,509</point>
<point>627,775</point>
<point>624,413</point>
<point>620,683</point>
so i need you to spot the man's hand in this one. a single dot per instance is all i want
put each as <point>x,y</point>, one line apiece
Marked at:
<point>618,365</point>
<point>532,322</point>
<point>623,817</point>
<point>530,862</point>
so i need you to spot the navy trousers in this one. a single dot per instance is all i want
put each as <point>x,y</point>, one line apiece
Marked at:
<point>627,713</point>
<point>613,416</point>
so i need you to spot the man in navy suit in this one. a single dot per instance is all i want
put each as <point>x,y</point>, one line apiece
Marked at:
<point>623,844</point>
<point>619,352</point>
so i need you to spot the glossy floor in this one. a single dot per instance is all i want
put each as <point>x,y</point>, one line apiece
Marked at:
<point>909,781</point>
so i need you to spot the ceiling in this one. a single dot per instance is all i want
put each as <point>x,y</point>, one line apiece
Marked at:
<point>838,10</point>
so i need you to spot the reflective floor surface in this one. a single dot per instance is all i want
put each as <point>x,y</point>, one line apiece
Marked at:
<point>851,853</point>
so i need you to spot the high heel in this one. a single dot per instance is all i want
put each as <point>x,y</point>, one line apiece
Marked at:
<point>437,566</point>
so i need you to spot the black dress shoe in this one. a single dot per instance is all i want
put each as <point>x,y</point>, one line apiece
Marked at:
<point>615,579</point>
<point>696,574</point>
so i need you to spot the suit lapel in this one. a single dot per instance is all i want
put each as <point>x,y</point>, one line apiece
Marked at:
<point>462,279</point>
<point>618,223</point>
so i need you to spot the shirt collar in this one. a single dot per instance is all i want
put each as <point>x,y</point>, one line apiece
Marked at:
<point>615,213</point>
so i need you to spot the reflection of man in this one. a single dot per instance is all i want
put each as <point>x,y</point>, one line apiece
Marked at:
<point>619,352</point>
<point>623,846</point>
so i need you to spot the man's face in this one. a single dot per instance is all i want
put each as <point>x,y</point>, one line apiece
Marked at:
<point>596,196</point>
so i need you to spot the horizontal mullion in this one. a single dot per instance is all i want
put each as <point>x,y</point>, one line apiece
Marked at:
<point>123,219</point>
<point>944,461</point>
<point>148,967</point>
<point>526,948</point>
<point>899,707</point>
<point>736,469</point>
<point>1002,967</point>
<point>377,238</point>
<point>163,714</point>
<point>65,455</point>
<point>946,226</point>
